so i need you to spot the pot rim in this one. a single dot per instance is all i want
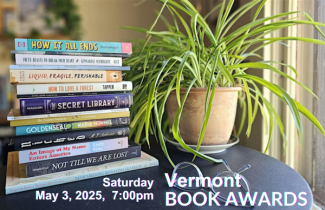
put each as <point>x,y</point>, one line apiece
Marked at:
<point>218,89</point>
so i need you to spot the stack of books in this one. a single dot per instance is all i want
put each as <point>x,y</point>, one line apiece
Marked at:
<point>74,113</point>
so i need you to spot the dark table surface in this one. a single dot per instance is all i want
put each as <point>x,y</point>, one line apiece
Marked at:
<point>266,175</point>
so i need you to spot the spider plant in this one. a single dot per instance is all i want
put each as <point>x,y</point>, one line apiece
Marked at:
<point>169,60</point>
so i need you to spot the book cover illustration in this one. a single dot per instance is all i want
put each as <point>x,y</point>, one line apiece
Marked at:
<point>40,141</point>
<point>35,106</point>
<point>71,126</point>
<point>16,180</point>
<point>70,150</point>
<point>73,88</point>
<point>63,76</point>
<point>68,163</point>
<point>72,46</point>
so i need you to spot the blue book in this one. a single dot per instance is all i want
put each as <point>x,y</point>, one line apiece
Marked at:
<point>61,67</point>
<point>72,46</point>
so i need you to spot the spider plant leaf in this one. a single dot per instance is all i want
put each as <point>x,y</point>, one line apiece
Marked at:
<point>176,130</point>
<point>249,108</point>
<point>316,26</point>
<point>212,11</point>
<point>295,112</point>
<point>269,67</point>
<point>226,73</point>
<point>243,116</point>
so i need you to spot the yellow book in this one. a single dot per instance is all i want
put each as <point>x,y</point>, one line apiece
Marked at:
<point>73,118</point>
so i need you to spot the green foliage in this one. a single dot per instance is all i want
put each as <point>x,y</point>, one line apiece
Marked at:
<point>66,10</point>
<point>174,60</point>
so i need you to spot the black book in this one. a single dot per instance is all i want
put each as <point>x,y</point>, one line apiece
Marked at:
<point>53,139</point>
<point>68,163</point>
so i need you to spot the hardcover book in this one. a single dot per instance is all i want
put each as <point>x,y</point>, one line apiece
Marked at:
<point>96,115</point>
<point>71,126</point>
<point>68,163</point>
<point>28,59</point>
<point>16,180</point>
<point>123,55</point>
<point>69,150</point>
<point>72,88</point>
<point>66,67</point>
<point>62,138</point>
<point>72,46</point>
<point>36,106</point>
<point>63,76</point>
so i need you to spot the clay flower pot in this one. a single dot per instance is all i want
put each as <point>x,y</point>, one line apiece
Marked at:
<point>221,120</point>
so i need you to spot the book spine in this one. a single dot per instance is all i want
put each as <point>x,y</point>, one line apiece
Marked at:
<point>65,67</point>
<point>62,138</point>
<point>73,118</point>
<point>60,76</point>
<point>123,55</point>
<point>74,162</point>
<point>36,106</point>
<point>88,175</point>
<point>72,46</point>
<point>71,126</point>
<point>73,88</point>
<point>29,59</point>
<point>49,153</point>
<point>17,113</point>
<point>70,94</point>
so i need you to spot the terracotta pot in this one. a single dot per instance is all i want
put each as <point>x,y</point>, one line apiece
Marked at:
<point>221,120</point>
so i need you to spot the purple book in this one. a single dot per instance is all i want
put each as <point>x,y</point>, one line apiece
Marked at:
<point>34,106</point>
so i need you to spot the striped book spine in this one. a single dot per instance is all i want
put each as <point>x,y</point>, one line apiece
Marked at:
<point>64,138</point>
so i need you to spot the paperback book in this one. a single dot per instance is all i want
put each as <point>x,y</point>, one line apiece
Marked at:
<point>14,114</point>
<point>72,46</point>
<point>28,59</point>
<point>123,55</point>
<point>71,126</point>
<point>69,150</point>
<point>72,88</point>
<point>67,67</point>
<point>16,180</point>
<point>63,76</point>
<point>35,106</point>
<point>62,138</point>
<point>96,115</point>
<point>69,163</point>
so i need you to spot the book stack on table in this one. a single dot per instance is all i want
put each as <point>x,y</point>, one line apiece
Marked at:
<point>74,113</point>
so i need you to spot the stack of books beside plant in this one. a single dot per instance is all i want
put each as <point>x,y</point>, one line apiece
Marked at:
<point>74,114</point>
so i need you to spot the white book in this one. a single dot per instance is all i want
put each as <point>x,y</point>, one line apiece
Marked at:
<point>14,114</point>
<point>30,59</point>
<point>33,89</point>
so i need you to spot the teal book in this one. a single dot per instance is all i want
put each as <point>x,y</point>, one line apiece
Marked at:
<point>72,46</point>
<point>16,180</point>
